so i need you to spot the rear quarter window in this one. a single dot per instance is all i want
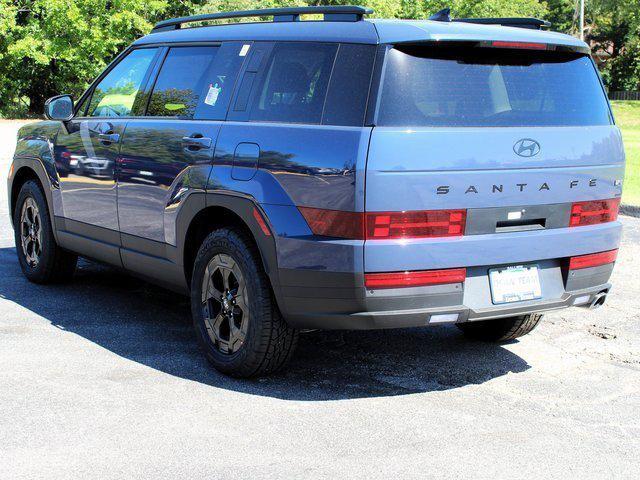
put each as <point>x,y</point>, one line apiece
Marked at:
<point>489,87</point>
<point>349,87</point>
<point>294,84</point>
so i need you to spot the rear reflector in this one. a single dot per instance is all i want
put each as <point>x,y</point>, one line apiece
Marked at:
<point>385,225</point>
<point>593,260</point>
<point>444,318</point>
<point>414,279</point>
<point>523,45</point>
<point>261,223</point>
<point>415,224</point>
<point>594,212</point>
<point>582,300</point>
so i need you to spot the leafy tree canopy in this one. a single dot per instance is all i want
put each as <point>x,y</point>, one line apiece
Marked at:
<point>54,46</point>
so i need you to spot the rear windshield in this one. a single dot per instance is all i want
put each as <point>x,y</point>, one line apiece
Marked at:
<point>489,87</point>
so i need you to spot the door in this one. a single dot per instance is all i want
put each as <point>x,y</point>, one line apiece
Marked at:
<point>87,148</point>
<point>166,155</point>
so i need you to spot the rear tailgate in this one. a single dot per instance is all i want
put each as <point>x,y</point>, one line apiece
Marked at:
<point>478,169</point>
<point>513,136</point>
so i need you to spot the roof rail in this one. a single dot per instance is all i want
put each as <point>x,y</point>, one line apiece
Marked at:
<point>532,23</point>
<point>444,15</point>
<point>335,13</point>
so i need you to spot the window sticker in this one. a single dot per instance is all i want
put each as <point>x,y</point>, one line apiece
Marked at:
<point>213,94</point>
<point>244,50</point>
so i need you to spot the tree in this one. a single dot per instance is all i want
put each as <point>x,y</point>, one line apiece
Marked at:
<point>54,46</point>
<point>614,27</point>
<point>563,15</point>
<point>401,8</point>
<point>58,46</point>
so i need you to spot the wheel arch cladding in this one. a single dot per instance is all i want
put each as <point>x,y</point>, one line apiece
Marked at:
<point>220,210</point>
<point>22,175</point>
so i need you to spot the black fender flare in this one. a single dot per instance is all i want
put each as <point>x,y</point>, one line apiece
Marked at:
<point>243,207</point>
<point>49,181</point>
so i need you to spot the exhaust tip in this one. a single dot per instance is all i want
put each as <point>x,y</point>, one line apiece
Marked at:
<point>598,300</point>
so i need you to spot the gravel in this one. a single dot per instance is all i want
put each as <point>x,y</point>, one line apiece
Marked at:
<point>102,378</point>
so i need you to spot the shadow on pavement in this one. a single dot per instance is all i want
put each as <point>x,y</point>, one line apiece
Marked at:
<point>151,326</point>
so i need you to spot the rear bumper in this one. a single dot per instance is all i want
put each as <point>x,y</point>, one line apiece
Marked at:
<point>338,301</point>
<point>496,248</point>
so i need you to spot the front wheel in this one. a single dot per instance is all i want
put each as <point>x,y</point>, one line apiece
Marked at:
<point>40,257</point>
<point>236,319</point>
<point>501,329</point>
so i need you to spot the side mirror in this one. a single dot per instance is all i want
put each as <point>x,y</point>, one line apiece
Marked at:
<point>59,108</point>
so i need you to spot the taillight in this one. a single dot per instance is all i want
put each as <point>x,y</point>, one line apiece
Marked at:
<point>522,45</point>
<point>333,223</point>
<point>385,225</point>
<point>594,212</point>
<point>415,224</point>
<point>414,279</point>
<point>593,260</point>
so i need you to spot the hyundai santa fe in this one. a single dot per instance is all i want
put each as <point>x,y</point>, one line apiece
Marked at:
<point>332,173</point>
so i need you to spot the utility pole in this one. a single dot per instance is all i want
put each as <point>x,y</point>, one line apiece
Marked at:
<point>582,20</point>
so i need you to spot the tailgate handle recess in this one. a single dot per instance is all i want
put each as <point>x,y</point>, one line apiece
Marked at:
<point>521,225</point>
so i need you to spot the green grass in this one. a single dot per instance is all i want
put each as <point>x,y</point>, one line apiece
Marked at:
<point>627,115</point>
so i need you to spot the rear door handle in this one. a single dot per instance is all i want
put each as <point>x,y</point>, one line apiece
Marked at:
<point>196,142</point>
<point>109,138</point>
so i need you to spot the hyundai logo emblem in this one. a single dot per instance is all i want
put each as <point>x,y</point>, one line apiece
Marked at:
<point>526,147</point>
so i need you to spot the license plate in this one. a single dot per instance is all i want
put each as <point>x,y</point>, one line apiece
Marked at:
<point>515,284</point>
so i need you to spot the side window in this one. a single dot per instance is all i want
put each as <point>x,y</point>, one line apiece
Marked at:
<point>349,88</point>
<point>179,87</point>
<point>295,83</point>
<point>220,80</point>
<point>115,95</point>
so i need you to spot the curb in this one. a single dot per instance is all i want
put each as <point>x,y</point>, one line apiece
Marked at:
<point>631,210</point>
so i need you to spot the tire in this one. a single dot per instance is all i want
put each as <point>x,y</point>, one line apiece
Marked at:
<point>246,336</point>
<point>501,329</point>
<point>50,264</point>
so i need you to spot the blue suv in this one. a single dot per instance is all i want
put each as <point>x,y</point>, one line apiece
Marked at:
<point>333,174</point>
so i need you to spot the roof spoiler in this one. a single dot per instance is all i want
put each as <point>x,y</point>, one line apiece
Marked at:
<point>532,23</point>
<point>335,13</point>
<point>444,15</point>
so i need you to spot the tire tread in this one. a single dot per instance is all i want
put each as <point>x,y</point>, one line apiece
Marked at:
<point>277,340</point>
<point>502,329</point>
